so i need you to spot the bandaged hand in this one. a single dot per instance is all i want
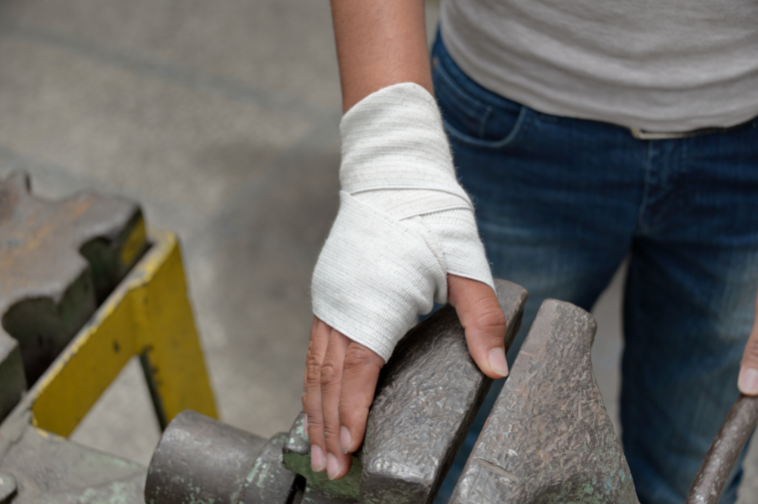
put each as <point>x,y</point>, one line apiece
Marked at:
<point>405,237</point>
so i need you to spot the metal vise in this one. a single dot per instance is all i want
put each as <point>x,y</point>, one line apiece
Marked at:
<point>547,439</point>
<point>427,397</point>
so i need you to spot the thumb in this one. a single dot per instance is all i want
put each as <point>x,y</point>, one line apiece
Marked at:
<point>484,322</point>
<point>748,381</point>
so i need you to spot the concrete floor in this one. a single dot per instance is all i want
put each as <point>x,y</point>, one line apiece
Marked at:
<point>221,119</point>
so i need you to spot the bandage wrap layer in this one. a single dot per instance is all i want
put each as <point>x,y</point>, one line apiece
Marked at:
<point>404,221</point>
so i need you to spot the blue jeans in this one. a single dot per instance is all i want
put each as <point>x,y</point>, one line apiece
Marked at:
<point>561,202</point>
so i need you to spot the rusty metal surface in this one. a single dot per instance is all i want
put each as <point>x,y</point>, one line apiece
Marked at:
<point>549,438</point>
<point>724,451</point>
<point>52,470</point>
<point>58,260</point>
<point>199,459</point>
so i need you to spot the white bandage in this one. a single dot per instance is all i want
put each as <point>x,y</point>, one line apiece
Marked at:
<point>404,221</point>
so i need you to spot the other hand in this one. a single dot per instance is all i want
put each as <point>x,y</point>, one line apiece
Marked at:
<point>748,380</point>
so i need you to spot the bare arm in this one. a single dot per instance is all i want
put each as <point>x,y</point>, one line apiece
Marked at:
<point>379,43</point>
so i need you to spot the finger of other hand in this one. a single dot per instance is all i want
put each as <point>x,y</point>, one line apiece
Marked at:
<point>748,379</point>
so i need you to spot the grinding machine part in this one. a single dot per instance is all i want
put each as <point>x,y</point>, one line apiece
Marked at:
<point>53,470</point>
<point>549,437</point>
<point>58,261</point>
<point>428,396</point>
<point>269,482</point>
<point>199,459</point>
<point>725,449</point>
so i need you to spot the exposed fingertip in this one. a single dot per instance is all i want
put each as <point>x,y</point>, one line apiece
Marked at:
<point>317,459</point>
<point>346,441</point>
<point>748,381</point>
<point>332,466</point>
<point>498,364</point>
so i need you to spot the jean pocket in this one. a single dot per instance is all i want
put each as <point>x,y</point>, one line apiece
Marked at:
<point>471,120</point>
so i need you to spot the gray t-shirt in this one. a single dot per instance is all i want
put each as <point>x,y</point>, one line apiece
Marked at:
<point>657,65</point>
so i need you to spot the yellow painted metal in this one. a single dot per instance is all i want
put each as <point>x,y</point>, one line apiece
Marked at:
<point>149,315</point>
<point>134,243</point>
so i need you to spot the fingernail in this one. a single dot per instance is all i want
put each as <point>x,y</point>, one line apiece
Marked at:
<point>345,440</point>
<point>332,466</point>
<point>748,382</point>
<point>317,459</point>
<point>498,362</point>
<point>305,424</point>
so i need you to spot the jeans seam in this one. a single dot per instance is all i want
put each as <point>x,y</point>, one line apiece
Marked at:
<point>646,189</point>
<point>488,144</point>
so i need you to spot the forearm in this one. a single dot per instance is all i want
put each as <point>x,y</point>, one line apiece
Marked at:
<point>379,43</point>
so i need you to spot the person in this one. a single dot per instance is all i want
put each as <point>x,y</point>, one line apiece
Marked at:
<point>586,133</point>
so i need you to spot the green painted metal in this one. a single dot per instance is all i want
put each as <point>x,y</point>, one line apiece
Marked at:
<point>299,461</point>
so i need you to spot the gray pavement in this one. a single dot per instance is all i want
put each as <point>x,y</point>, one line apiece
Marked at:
<point>221,119</point>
